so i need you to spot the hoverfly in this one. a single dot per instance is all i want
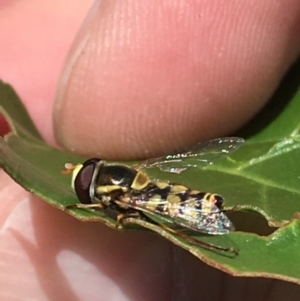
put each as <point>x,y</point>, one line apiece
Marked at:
<point>132,193</point>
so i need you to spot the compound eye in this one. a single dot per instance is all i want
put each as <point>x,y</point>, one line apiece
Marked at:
<point>83,181</point>
<point>219,201</point>
<point>91,161</point>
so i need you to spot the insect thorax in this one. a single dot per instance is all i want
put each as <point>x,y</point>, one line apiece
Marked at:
<point>115,181</point>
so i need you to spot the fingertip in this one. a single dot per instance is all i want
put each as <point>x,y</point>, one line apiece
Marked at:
<point>148,78</point>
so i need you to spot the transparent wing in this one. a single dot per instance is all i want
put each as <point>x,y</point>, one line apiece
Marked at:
<point>209,221</point>
<point>199,155</point>
<point>214,221</point>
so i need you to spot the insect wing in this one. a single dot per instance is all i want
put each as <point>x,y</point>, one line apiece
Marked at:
<point>209,221</point>
<point>148,204</point>
<point>213,221</point>
<point>199,155</point>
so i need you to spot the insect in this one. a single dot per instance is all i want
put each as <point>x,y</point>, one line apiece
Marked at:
<point>132,193</point>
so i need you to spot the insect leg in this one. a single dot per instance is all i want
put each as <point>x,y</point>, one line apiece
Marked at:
<point>126,213</point>
<point>86,206</point>
<point>196,241</point>
<point>138,214</point>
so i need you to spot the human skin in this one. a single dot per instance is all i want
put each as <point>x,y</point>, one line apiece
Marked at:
<point>168,79</point>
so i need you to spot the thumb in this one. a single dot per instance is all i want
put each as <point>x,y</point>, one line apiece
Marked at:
<point>146,77</point>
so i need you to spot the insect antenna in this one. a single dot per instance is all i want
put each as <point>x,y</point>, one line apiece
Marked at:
<point>69,167</point>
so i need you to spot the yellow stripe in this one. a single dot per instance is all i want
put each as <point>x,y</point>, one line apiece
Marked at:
<point>178,188</point>
<point>108,189</point>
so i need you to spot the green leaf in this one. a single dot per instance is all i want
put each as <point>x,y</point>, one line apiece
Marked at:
<point>261,177</point>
